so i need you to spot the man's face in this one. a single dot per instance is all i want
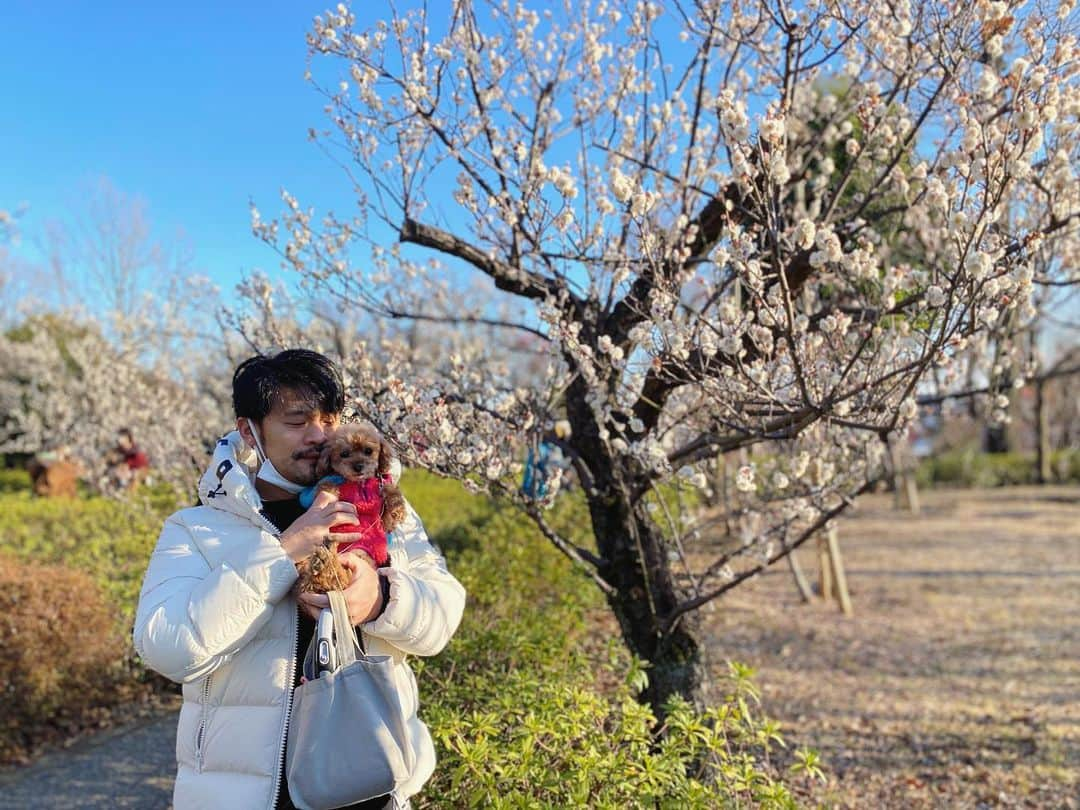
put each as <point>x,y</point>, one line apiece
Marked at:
<point>292,435</point>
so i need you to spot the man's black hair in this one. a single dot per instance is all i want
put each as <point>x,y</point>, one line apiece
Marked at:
<point>259,381</point>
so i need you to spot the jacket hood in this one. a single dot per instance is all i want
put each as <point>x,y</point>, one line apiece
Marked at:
<point>229,483</point>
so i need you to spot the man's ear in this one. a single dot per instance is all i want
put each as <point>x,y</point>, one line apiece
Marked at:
<point>243,424</point>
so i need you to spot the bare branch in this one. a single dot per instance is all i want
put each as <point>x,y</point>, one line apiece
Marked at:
<point>507,277</point>
<point>583,558</point>
<point>668,622</point>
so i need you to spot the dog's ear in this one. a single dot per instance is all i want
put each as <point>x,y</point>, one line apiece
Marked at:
<point>386,454</point>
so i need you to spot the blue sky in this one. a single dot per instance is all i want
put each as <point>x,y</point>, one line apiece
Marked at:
<point>197,107</point>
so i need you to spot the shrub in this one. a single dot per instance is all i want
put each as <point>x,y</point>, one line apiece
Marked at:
<point>546,741</point>
<point>13,480</point>
<point>61,654</point>
<point>1066,465</point>
<point>969,467</point>
<point>533,706</point>
<point>109,540</point>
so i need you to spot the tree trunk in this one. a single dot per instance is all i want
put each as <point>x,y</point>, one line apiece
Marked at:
<point>645,592</point>
<point>679,668</point>
<point>636,565</point>
<point>996,439</point>
<point>905,488</point>
<point>1042,434</point>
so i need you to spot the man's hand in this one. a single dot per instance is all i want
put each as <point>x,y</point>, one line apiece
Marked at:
<point>363,594</point>
<point>312,529</point>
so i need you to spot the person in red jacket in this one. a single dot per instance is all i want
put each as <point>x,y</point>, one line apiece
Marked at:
<point>128,464</point>
<point>133,456</point>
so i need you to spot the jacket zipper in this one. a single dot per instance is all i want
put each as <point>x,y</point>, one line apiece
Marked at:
<point>288,707</point>
<point>269,524</point>
<point>202,723</point>
<point>276,532</point>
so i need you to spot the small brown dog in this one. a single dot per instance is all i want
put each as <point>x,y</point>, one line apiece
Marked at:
<point>356,463</point>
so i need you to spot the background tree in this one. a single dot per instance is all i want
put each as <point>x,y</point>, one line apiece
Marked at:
<point>65,386</point>
<point>106,257</point>
<point>1027,346</point>
<point>11,286</point>
<point>111,333</point>
<point>658,185</point>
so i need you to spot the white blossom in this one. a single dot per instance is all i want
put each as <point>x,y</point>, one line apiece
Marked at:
<point>744,479</point>
<point>935,296</point>
<point>622,188</point>
<point>786,260</point>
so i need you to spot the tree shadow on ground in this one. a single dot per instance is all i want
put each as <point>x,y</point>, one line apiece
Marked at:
<point>955,682</point>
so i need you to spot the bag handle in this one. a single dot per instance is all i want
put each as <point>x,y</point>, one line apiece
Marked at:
<point>345,640</point>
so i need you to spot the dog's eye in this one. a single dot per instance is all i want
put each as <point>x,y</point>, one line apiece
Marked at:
<point>367,451</point>
<point>346,453</point>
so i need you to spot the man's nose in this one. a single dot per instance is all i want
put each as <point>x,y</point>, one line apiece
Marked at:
<point>316,433</point>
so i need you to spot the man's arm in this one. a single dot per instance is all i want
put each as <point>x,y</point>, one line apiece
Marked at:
<point>426,601</point>
<point>192,617</point>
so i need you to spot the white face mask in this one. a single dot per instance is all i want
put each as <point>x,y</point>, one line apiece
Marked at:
<point>267,471</point>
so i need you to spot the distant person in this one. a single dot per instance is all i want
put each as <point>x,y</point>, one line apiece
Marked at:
<point>546,465</point>
<point>133,456</point>
<point>128,464</point>
<point>218,611</point>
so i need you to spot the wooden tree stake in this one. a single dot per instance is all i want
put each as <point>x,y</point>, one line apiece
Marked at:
<point>800,580</point>
<point>824,569</point>
<point>837,567</point>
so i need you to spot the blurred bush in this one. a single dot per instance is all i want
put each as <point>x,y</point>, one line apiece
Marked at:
<point>61,651</point>
<point>109,540</point>
<point>1066,465</point>
<point>969,467</point>
<point>14,480</point>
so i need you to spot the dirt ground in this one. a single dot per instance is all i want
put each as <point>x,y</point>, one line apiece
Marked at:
<point>956,684</point>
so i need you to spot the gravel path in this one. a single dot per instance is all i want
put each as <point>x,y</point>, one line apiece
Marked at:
<point>127,767</point>
<point>956,684</point>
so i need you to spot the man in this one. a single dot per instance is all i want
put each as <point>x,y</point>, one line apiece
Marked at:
<point>217,612</point>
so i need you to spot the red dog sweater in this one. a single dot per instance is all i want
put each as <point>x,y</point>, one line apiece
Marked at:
<point>366,496</point>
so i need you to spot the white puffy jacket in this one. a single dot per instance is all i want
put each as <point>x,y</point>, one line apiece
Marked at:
<point>215,613</point>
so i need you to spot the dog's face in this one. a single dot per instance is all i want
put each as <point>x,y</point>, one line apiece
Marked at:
<point>356,452</point>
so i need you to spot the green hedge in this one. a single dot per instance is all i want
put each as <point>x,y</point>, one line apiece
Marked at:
<point>14,480</point>
<point>530,705</point>
<point>109,540</point>
<point>969,467</point>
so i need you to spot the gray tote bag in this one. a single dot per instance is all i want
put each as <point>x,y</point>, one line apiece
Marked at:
<point>347,736</point>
